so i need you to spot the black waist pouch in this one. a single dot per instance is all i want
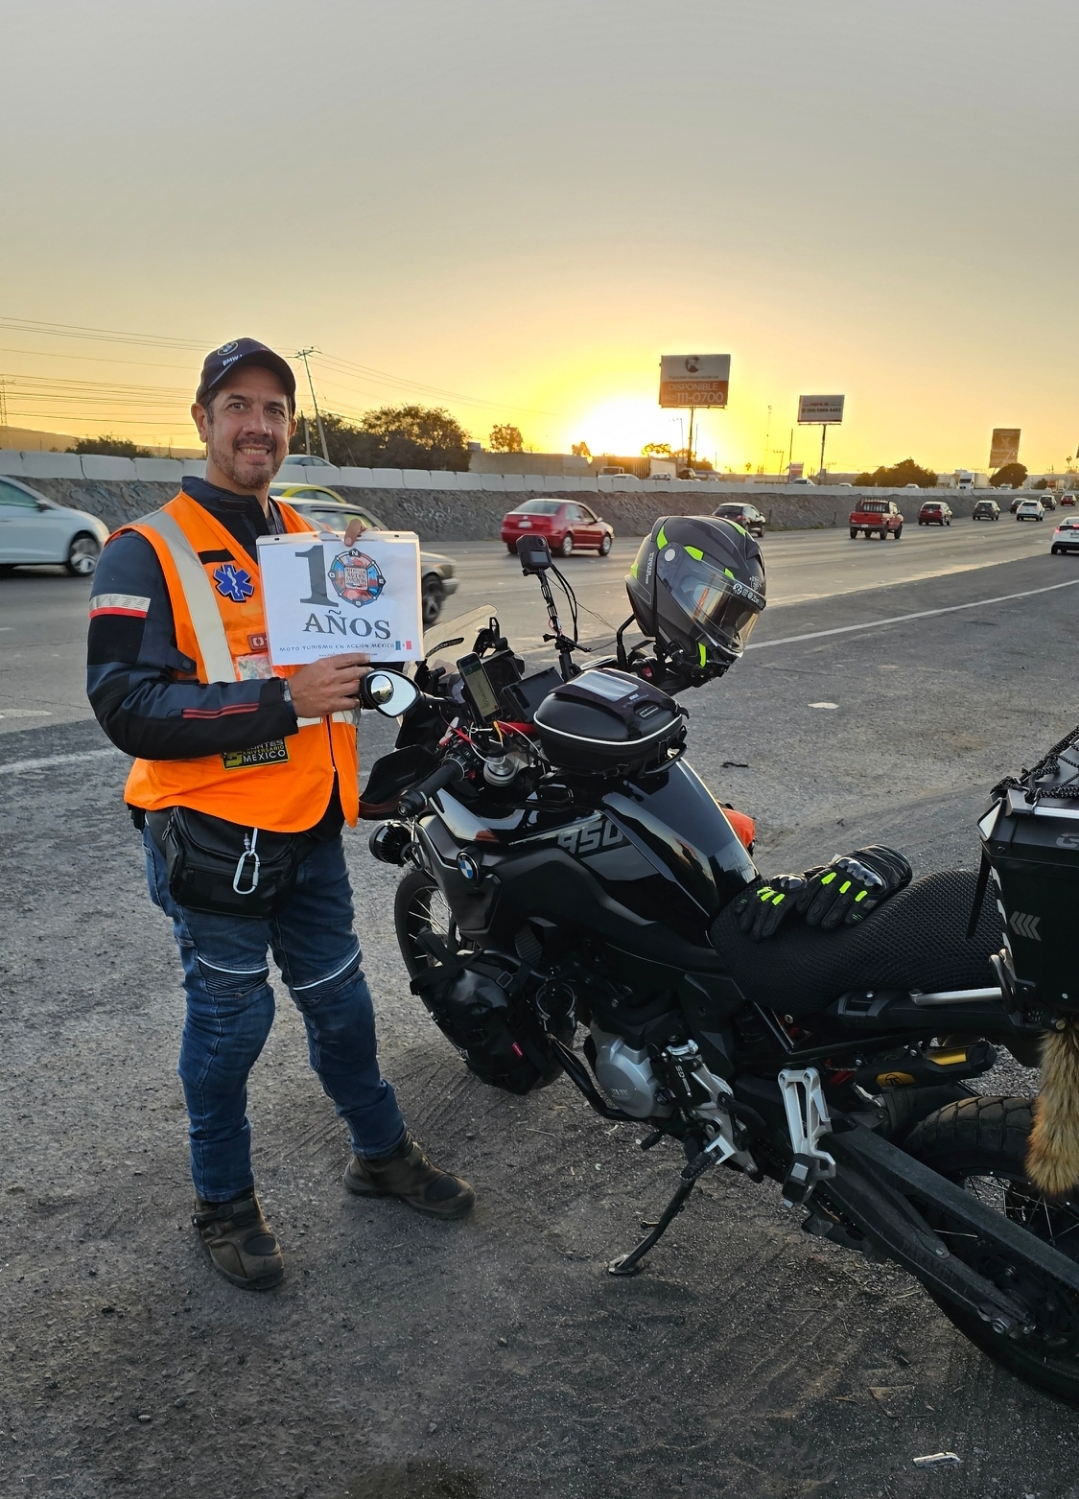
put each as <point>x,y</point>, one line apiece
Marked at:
<point>221,867</point>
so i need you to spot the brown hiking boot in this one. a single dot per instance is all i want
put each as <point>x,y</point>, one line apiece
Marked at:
<point>409,1175</point>
<point>241,1243</point>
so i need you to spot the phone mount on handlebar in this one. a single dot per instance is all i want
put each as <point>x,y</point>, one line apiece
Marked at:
<point>535,557</point>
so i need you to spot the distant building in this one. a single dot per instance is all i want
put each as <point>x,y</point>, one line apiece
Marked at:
<point>481,461</point>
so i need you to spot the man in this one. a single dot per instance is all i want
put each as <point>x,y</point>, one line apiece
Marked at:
<point>248,746</point>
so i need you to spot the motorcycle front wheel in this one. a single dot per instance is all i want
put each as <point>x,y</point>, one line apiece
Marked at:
<point>419,906</point>
<point>981,1145</point>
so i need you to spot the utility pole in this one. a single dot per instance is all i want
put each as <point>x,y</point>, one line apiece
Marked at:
<point>3,403</point>
<point>302,354</point>
<point>689,448</point>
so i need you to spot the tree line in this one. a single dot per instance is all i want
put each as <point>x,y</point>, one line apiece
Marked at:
<point>400,437</point>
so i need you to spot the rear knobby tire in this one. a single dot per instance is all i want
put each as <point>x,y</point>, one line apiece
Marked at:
<point>981,1145</point>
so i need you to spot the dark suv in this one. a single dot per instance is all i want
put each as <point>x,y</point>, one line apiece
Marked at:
<point>746,516</point>
<point>985,510</point>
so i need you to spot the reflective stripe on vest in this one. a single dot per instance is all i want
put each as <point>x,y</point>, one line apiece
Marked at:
<point>205,615</point>
<point>206,618</point>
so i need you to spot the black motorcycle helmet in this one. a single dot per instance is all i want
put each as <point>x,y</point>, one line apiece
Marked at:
<point>697,587</point>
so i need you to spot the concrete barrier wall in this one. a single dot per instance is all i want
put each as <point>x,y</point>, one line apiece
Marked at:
<point>445,515</point>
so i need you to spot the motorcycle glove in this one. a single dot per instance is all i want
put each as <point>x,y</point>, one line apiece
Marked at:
<point>762,910</point>
<point>847,889</point>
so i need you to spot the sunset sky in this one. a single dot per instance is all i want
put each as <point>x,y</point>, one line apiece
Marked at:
<point>513,209</point>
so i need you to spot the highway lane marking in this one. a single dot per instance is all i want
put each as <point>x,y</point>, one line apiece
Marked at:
<point>16,767</point>
<point>899,619</point>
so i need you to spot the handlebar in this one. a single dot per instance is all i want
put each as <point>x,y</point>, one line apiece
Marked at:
<point>413,802</point>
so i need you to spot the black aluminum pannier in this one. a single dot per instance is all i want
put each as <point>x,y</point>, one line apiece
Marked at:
<point>1030,838</point>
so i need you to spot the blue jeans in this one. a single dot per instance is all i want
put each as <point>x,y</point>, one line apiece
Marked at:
<point>230,1009</point>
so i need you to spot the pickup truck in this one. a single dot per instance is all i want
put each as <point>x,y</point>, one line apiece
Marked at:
<point>882,516</point>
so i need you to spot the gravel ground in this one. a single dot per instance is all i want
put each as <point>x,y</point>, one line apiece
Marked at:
<point>422,1360</point>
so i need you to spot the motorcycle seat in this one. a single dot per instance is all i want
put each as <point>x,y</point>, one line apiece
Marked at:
<point>914,941</point>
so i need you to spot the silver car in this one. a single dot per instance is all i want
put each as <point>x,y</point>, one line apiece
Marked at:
<point>34,531</point>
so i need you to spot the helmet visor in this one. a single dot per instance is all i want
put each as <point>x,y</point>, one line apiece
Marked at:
<point>722,608</point>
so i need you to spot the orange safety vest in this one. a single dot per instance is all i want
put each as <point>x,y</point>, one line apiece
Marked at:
<point>283,786</point>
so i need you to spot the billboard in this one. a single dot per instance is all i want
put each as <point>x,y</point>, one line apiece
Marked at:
<point>694,379</point>
<point>795,470</point>
<point>1005,446</point>
<point>824,410</point>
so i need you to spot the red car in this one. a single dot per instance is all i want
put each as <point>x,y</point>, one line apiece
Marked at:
<point>566,524</point>
<point>935,513</point>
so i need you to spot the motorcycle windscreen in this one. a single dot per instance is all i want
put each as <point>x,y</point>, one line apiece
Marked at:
<point>458,636</point>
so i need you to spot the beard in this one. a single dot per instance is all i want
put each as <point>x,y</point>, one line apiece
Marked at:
<point>246,470</point>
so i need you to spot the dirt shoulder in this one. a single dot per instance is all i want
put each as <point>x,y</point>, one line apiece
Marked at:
<point>461,1361</point>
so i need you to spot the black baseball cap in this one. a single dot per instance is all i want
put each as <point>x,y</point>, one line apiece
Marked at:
<point>223,361</point>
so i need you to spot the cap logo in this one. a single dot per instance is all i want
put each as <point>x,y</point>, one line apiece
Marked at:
<point>227,348</point>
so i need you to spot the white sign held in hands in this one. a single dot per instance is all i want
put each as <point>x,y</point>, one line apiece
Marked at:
<point>323,598</point>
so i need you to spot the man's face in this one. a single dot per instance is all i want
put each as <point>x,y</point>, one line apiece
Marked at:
<point>247,427</point>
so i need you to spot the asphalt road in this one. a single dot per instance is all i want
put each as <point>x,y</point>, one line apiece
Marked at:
<point>435,1361</point>
<point>43,611</point>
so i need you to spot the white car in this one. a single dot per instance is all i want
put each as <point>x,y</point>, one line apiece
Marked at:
<point>1066,535</point>
<point>34,530</point>
<point>1030,510</point>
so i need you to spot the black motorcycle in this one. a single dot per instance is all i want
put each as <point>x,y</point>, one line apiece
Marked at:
<point>567,872</point>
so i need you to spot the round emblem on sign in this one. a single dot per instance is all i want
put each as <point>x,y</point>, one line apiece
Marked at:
<point>356,577</point>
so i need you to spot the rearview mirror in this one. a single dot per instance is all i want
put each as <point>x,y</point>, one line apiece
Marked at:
<point>388,692</point>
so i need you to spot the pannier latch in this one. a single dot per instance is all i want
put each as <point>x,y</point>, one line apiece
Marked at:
<point>807,1120</point>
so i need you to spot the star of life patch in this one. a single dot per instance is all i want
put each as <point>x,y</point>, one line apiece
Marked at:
<point>273,752</point>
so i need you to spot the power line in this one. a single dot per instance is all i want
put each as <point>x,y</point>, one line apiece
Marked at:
<point>113,335</point>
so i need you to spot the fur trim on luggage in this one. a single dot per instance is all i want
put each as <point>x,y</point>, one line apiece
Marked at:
<point>1053,1154</point>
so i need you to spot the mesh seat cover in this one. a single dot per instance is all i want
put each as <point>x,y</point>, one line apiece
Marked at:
<point>915,940</point>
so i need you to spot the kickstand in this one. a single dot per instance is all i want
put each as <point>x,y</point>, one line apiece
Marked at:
<point>629,1264</point>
